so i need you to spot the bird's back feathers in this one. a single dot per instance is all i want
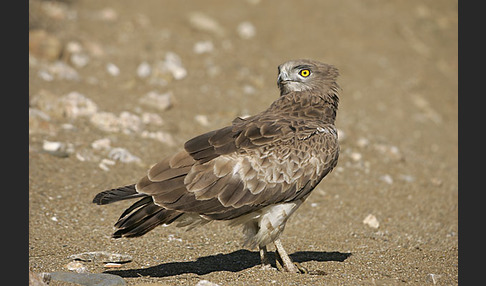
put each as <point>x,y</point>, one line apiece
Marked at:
<point>275,157</point>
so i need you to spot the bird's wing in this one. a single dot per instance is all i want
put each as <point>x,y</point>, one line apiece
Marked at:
<point>228,172</point>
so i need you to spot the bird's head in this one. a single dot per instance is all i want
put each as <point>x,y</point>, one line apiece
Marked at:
<point>306,75</point>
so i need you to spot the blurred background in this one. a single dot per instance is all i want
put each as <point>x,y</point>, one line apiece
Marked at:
<point>114,86</point>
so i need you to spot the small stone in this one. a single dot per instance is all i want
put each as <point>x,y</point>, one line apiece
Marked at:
<point>123,155</point>
<point>171,237</point>
<point>355,156</point>
<point>407,178</point>
<point>152,118</point>
<point>112,69</point>
<point>106,121</point>
<point>246,30</point>
<point>58,70</point>
<point>144,70</point>
<point>436,182</point>
<point>173,64</point>
<point>104,279</point>
<point>57,149</point>
<point>362,142</point>
<point>129,123</point>
<point>371,221</point>
<point>75,104</point>
<point>202,119</point>
<point>163,137</point>
<point>50,146</point>
<point>45,75</point>
<point>341,135</point>
<point>101,256</point>
<point>105,163</point>
<point>39,279</point>
<point>77,267</point>
<point>206,283</point>
<point>79,60</point>
<point>387,179</point>
<point>108,14</point>
<point>204,23</point>
<point>390,152</point>
<point>101,144</point>
<point>112,265</point>
<point>203,47</point>
<point>162,101</point>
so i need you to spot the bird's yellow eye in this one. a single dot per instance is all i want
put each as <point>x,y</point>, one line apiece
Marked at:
<point>304,72</point>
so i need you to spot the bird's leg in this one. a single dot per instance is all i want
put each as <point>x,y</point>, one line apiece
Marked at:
<point>264,257</point>
<point>288,265</point>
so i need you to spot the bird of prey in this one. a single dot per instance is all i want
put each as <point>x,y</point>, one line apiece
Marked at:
<point>255,172</point>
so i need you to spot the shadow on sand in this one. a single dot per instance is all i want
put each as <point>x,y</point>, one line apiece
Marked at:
<point>235,261</point>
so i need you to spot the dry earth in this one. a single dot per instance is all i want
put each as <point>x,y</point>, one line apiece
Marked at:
<point>398,119</point>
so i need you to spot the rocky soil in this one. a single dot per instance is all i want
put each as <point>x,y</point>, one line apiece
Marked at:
<point>115,86</point>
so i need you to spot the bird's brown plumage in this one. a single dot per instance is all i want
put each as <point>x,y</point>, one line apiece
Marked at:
<point>239,172</point>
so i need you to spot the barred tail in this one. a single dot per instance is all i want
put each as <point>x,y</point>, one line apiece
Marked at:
<point>118,194</point>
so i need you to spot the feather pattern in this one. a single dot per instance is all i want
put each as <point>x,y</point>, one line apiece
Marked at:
<point>255,172</point>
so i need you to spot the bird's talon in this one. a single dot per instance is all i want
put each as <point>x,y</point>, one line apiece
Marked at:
<point>279,266</point>
<point>301,268</point>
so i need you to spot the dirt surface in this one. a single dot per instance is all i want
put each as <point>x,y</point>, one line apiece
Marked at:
<point>397,117</point>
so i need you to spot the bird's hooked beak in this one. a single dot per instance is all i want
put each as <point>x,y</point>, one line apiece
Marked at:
<point>283,76</point>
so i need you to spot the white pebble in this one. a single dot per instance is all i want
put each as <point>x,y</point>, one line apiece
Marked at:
<point>203,47</point>
<point>246,30</point>
<point>122,155</point>
<point>103,143</point>
<point>162,101</point>
<point>79,59</point>
<point>387,179</point>
<point>173,64</point>
<point>104,162</point>
<point>112,69</point>
<point>144,70</point>
<point>341,135</point>
<point>152,118</point>
<point>202,119</point>
<point>163,137</point>
<point>355,156</point>
<point>51,146</point>
<point>76,266</point>
<point>371,221</point>
<point>206,283</point>
<point>362,142</point>
<point>75,104</point>
<point>45,75</point>
<point>203,22</point>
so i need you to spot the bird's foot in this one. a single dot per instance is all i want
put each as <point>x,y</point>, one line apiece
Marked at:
<point>294,267</point>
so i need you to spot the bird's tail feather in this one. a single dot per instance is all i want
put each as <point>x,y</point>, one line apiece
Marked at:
<point>118,194</point>
<point>141,217</point>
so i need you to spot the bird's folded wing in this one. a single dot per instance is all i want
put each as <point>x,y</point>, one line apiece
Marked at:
<point>235,170</point>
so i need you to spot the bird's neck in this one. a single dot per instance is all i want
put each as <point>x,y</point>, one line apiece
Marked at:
<point>310,105</point>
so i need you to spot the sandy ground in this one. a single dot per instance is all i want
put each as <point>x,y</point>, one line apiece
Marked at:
<point>398,117</point>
